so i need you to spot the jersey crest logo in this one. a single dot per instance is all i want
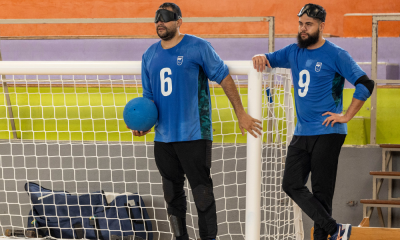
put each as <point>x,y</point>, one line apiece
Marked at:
<point>180,60</point>
<point>318,66</point>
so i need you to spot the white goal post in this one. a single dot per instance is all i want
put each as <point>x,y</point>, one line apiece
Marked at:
<point>269,213</point>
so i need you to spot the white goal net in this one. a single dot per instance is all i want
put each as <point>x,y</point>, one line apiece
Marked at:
<point>61,127</point>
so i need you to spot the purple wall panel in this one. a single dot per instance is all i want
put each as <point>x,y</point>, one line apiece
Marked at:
<point>392,72</point>
<point>227,48</point>
<point>75,49</point>
<point>132,49</point>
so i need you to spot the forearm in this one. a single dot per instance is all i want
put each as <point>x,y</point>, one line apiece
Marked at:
<point>354,107</point>
<point>233,95</point>
<point>364,88</point>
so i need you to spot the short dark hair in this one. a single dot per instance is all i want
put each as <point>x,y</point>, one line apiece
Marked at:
<point>175,8</point>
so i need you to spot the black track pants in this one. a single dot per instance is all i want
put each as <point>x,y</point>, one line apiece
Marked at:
<point>192,158</point>
<point>318,155</point>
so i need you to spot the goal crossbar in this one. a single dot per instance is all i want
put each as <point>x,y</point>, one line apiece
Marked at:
<point>94,67</point>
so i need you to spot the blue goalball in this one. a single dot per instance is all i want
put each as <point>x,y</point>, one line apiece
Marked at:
<point>140,114</point>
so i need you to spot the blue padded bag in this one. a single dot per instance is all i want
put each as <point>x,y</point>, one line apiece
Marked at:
<point>132,207</point>
<point>63,215</point>
<point>126,215</point>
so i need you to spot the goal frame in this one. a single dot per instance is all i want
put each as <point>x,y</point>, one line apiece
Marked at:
<point>254,145</point>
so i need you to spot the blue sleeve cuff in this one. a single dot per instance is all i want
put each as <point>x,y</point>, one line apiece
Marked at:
<point>269,60</point>
<point>361,93</point>
<point>220,74</point>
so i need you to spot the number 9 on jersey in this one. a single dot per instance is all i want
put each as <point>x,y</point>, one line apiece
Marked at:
<point>303,92</point>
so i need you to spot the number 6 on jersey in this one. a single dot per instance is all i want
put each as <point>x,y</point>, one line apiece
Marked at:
<point>166,80</point>
<point>304,84</point>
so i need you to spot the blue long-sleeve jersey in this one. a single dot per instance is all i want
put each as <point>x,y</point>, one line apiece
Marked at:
<point>318,79</point>
<point>176,79</point>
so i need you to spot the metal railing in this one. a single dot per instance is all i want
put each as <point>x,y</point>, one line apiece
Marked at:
<point>376,18</point>
<point>374,73</point>
<point>270,20</point>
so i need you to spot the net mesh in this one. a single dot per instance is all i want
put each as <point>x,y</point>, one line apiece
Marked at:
<point>66,133</point>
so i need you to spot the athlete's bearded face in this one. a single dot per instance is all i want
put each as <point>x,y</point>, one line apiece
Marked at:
<point>309,32</point>
<point>167,30</point>
<point>305,40</point>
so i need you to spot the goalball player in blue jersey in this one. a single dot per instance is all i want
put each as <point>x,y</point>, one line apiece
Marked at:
<point>175,73</point>
<point>319,69</point>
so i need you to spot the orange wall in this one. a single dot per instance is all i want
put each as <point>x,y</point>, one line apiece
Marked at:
<point>361,26</point>
<point>284,11</point>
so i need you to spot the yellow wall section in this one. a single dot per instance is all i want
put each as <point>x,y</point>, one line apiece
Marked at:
<point>284,11</point>
<point>79,116</point>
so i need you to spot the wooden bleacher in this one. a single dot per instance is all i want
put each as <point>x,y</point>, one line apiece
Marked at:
<point>378,178</point>
<point>364,231</point>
